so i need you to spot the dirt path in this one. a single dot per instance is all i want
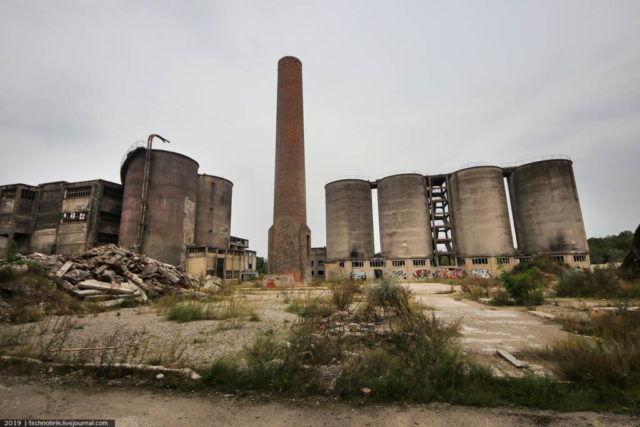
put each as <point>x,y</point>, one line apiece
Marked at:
<point>133,407</point>
<point>486,329</point>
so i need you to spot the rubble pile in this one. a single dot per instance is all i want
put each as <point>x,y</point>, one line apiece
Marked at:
<point>113,273</point>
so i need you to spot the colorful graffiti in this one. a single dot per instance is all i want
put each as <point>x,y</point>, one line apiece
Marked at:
<point>421,273</point>
<point>359,275</point>
<point>446,273</point>
<point>480,273</point>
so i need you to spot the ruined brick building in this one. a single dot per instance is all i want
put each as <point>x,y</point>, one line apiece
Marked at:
<point>188,221</point>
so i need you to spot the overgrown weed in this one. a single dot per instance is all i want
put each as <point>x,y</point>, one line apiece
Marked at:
<point>188,311</point>
<point>343,293</point>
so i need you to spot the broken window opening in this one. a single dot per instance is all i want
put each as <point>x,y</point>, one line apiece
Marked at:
<point>357,263</point>
<point>341,264</point>
<point>480,261</point>
<point>579,258</point>
<point>8,194</point>
<point>376,263</point>
<point>398,263</point>
<point>109,218</point>
<point>112,193</point>
<point>419,262</point>
<point>503,260</point>
<point>68,217</point>
<point>27,194</point>
<point>71,193</point>
<point>556,258</point>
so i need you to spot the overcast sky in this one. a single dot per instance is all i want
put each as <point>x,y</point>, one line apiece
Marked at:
<point>388,86</point>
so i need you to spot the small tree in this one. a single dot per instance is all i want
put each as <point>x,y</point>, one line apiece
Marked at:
<point>261,265</point>
<point>526,287</point>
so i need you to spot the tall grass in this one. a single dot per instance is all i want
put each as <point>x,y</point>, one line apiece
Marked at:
<point>343,293</point>
<point>189,311</point>
<point>30,295</point>
<point>599,283</point>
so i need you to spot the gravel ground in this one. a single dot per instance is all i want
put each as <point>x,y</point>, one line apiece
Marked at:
<point>45,398</point>
<point>484,329</point>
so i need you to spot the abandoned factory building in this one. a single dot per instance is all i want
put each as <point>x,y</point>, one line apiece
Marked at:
<point>187,220</point>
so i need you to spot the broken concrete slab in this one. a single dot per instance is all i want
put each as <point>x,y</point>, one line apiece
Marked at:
<point>86,292</point>
<point>122,288</point>
<point>511,359</point>
<point>67,265</point>
<point>76,275</point>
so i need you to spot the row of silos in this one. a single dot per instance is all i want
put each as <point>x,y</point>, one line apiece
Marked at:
<point>183,208</point>
<point>543,196</point>
<point>403,216</point>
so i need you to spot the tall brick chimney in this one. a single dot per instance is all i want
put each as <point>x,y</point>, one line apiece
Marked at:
<point>289,236</point>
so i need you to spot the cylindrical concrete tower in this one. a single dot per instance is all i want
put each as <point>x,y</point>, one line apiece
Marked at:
<point>546,209</point>
<point>404,217</point>
<point>349,220</point>
<point>289,237</point>
<point>169,223</point>
<point>213,212</point>
<point>480,212</point>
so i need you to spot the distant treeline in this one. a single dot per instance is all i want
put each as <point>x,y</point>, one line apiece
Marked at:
<point>610,248</point>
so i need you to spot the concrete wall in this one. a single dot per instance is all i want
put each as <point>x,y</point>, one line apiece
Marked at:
<point>108,211</point>
<point>73,236</point>
<point>50,196</point>
<point>17,210</point>
<point>171,213</point>
<point>213,211</point>
<point>228,265</point>
<point>546,209</point>
<point>403,269</point>
<point>480,212</point>
<point>349,216</point>
<point>318,262</point>
<point>404,217</point>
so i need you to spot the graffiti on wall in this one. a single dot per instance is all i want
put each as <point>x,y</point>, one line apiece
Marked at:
<point>480,273</point>
<point>445,273</point>
<point>358,275</point>
<point>400,274</point>
<point>421,273</point>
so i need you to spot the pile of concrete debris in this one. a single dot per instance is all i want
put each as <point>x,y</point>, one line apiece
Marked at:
<point>113,273</point>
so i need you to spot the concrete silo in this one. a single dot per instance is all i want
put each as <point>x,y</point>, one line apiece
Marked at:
<point>349,220</point>
<point>169,220</point>
<point>480,212</point>
<point>546,209</point>
<point>213,213</point>
<point>404,217</point>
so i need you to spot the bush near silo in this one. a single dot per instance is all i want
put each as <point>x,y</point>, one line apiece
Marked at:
<point>521,288</point>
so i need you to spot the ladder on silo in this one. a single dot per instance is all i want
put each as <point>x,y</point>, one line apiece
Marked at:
<point>440,218</point>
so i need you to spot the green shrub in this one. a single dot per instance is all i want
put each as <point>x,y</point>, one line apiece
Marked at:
<point>542,263</point>
<point>388,293</point>
<point>525,288</point>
